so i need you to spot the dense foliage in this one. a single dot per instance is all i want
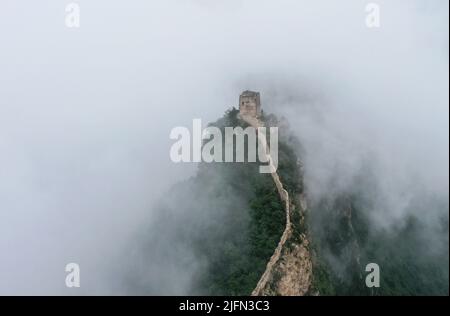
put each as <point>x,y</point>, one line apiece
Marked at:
<point>237,263</point>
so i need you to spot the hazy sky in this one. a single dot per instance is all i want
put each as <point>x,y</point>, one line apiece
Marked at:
<point>85,114</point>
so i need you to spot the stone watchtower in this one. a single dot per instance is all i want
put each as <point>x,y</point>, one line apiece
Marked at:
<point>250,104</point>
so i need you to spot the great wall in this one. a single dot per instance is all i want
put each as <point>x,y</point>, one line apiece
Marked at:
<point>299,281</point>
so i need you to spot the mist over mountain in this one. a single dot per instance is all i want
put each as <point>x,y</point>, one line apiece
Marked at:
<point>85,118</point>
<point>242,220</point>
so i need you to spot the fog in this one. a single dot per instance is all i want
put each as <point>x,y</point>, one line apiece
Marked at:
<point>85,113</point>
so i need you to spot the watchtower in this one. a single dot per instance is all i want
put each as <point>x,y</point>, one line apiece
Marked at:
<point>250,103</point>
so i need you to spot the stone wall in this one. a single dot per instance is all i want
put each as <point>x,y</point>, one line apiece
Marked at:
<point>250,104</point>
